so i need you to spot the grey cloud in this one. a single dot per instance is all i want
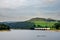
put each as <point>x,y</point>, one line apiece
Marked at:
<point>28,9</point>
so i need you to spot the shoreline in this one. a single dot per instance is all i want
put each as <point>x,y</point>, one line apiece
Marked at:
<point>4,30</point>
<point>35,29</point>
<point>29,29</point>
<point>54,30</point>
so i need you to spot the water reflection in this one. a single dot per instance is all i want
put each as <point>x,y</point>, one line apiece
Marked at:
<point>41,35</point>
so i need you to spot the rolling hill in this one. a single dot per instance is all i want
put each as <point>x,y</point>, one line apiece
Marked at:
<point>29,24</point>
<point>43,22</point>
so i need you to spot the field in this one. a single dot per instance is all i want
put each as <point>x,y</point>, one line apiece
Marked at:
<point>44,23</point>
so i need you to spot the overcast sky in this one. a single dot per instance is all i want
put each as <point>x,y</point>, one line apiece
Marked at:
<point>20,10</point>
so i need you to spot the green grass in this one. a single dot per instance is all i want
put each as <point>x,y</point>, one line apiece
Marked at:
<point>44,23</point>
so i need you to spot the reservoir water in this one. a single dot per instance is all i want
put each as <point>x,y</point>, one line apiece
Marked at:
<point>29,35</point>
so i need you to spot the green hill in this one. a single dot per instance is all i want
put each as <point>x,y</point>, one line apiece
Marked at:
<point>43,22</point>
<point>32,23</point>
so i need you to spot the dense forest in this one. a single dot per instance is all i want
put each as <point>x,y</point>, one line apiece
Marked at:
<point>4,27</point>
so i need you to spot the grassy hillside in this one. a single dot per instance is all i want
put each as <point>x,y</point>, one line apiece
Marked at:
<point>43,22</point>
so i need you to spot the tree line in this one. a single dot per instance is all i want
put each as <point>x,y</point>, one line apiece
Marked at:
<point>27,25</point>
<point>4,27</point>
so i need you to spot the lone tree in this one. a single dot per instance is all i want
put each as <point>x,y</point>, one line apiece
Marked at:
<point>4,27</point>
<point>57,25</point>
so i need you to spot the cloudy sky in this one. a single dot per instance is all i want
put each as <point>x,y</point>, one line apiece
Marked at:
<point>20,10</point>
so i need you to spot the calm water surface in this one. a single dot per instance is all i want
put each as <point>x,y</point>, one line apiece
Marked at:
<point>29,35</point>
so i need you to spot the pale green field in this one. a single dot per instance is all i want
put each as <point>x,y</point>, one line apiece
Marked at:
<point>44,23</point>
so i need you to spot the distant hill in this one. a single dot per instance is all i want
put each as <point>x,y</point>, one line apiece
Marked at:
<point>30,24</point>
<point>37,19</point>
<point>19,25</point>
<point>43,22</point>
<point>42,19</point>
